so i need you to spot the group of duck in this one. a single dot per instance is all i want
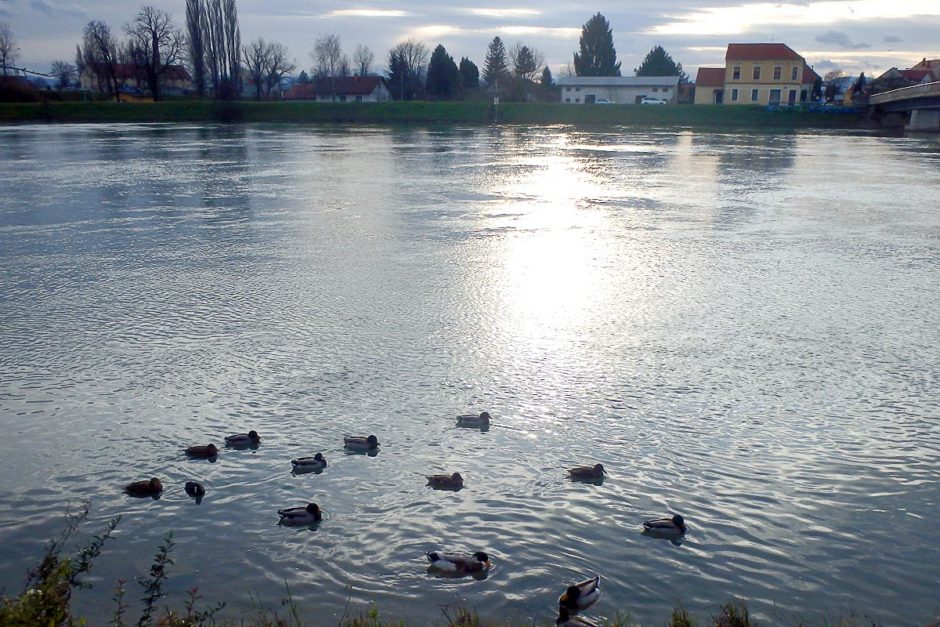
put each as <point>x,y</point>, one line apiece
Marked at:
<point>576,598</point>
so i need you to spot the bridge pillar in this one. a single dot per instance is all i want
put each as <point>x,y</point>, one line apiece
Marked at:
<point>924,120</point>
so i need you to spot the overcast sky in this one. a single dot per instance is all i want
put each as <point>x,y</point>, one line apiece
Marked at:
<point>853,35</point>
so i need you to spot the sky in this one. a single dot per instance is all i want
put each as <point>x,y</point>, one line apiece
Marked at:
<point>851,35</point>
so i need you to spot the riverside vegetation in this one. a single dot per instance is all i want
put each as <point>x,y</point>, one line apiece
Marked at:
<point>47,595</point>
<point>466,112</point>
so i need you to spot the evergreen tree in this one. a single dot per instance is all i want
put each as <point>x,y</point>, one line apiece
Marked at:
<point>525,62</point>
<point>547,81</point>
<point>397,73</point>
<point>304,78</point>
<point>470,74</point>
<point>495,68</point>
<point>597,56</point>
<point>444,80</point>
<point>658,62</point>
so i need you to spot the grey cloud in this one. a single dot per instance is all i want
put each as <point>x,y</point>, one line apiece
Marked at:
<point>892,39</point>
<point>840,39</point>
<point>825,64</point>
<point>57,9</point>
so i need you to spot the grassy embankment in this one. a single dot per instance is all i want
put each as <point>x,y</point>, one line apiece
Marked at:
<point>473,113</point>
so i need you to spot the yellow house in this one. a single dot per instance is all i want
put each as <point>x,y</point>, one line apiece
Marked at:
<point>759,74</point>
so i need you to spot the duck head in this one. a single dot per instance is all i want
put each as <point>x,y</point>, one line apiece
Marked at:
<point>314,510</point>
<point>481,556</point>
<point>485,416</point>
<point>212,450</point>
<point>372,440</point>
<point>318,457</point>
<point>570,598</point>
<point>456,478</point>
<point>254,435</point>
<point>156,485</point>
<point>679,522</point>
<point>599,470</point>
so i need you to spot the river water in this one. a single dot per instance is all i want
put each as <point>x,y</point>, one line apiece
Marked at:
<point>741,327</point>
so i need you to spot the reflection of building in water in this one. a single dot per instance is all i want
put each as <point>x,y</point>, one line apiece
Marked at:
<point>757,74</point>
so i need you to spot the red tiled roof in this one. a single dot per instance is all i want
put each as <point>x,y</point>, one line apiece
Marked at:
<point>915,75</point>
<point>809,76</point>
<point>927,64</point>
<point>760,52</point>
<point>710,77</point>
<point>342,86</point>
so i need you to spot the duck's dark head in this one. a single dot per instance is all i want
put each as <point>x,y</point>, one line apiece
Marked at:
<point>212,450</point>
<point>481,556</point>
<point>599,470</point>
<point>254,435</point>
<point>314,510</point>
<point>679,521</point>
<point>318,457</point>
<point>372,440</point>
<point>485,416</point>
<point>571,596</point>
<point>156,484</point>
<point>456,478</point>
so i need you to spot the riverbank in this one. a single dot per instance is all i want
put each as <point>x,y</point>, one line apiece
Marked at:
<point>473,113</point>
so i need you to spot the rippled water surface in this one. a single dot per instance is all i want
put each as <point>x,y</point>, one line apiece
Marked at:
<point>741,328</point>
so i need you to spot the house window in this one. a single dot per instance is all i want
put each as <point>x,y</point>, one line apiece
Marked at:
<point>358,98</point>
<point>577,89</point>
<point>577,100</point>
<point>756,72</point>
<point>734,95</point>
<point>775,96</point>
<point>567,89</point>
<point>342,98</point>
<point>793,73</point>
<point>736,73</point>
<point>655,89</point>
<point>753,95</point>
<point>568,99</point>
<point>778,72</point>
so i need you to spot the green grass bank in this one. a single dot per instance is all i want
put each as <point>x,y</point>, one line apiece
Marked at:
<point>470,113</point>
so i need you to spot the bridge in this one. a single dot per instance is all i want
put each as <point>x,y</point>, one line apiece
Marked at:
<point>922,101</point>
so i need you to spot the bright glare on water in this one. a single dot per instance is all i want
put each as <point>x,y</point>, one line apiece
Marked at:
<point>741,327</point>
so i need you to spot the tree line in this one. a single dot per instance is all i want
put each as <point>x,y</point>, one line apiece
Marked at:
<point>211,48</point>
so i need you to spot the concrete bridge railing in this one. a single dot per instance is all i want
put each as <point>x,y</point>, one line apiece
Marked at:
<point>906,93</point>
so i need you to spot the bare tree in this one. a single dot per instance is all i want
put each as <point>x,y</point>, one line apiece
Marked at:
<point>222,45</point>
<point>278,66</point>
<point>328,60</point>
<point>197,52</point>
<point>255,57</point>
<point>64,72</point>
<point>267,64</point>
<point>408,64</point>
<point>526,62</point>
<point>8,47</point>
<point>99,52</point>
<point>158,45</point>
<point>363,58</point>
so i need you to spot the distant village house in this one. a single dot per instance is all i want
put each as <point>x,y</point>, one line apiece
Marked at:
<point>342,89</point>
<point>618,89</point>
<point>757,74</point>
<point>132,80</point>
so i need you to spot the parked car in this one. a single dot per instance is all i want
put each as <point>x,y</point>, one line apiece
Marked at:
<point>603,101</point>
<point>652,101</point>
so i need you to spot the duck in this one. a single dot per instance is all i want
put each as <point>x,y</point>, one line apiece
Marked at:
<point>665,527</point>
<point>471,420</point>
<point>360,442</point>
<point>317,462</point>
<point>243,439</point>
<point>194,488</point>
<point>587,472</point>
<point>565,619</point>
<point>305,515</point>
<point>147,487</point>
<point>452,482</point>
<point>582,595</point>
<point>454,564</point>
<point>209,450</point>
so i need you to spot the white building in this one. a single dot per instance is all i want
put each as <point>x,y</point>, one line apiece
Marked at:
<point>617,89</point>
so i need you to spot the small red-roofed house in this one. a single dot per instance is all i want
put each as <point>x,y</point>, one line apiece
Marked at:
<point>710,85</point>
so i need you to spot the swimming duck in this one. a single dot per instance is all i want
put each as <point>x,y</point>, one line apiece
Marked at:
<point>471,420</point>
<point>147,487</point>
<point>565,619</point>
<point>360,442</point>
<point>300,515</point>
<point>243,439</point>
<point>587,472</point>
<point>194,488</point>
<point>454,564</point>
<point>317,462</point>
<point>582,595</point>
<point>665,527</point>
<point>452,482</point>
<point>208,450</point>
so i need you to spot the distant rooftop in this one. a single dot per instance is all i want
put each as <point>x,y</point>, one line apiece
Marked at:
<point>760,52</point>
<point>618,81</point>
<point>710,77</point>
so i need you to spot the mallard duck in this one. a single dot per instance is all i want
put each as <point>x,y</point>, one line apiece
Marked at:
<point>209,450</point>
<point>317,462</point>
<point>454,564</point>
<point>306,515</point>
<point>243,439</point>
<point>194,488</point>
<point>147,487</point>
<point>587,472</point>
<point>582,595</point>
<point>565,619</point>
<point>452,482</point>
<point>665,527</point>
<point>471,420</point>
<point>360,442</point>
